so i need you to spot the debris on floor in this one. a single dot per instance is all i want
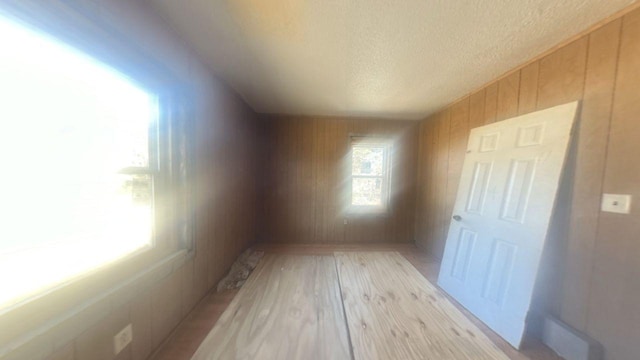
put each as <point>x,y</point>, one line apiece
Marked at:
<point>240,270</point>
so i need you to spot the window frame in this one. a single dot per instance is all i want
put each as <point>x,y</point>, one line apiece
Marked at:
<point>171,168</point>
<point>387,146</point>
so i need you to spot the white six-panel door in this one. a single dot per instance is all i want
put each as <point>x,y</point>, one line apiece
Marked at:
<point>505,199</point>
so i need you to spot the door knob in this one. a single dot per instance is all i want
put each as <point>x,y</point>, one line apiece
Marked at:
<point>457,217</point>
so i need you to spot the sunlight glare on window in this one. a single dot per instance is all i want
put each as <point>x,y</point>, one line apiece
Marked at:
<point>367,175</point>
<point>69,124</point>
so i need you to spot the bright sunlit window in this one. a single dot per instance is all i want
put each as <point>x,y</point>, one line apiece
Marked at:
<point>77,170</point>
<point>370,174</point>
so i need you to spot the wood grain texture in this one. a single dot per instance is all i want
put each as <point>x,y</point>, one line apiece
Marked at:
<point>613,316</point>
<point>185,341</point>
<point>477,104</point>
<point>290,308</point>
<point>561,76</point>
<point>458,137</point>
<point>441,221</point>
<point>592,138</point>
<point>491,103</point>
<point>393,312</point>
<point>528,97</point>
<point>306,201</point>
<point>508,92</point>
<point>594,270</point>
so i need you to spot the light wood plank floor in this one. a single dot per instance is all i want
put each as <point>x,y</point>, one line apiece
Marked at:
<point>289,308</point>
<point>187,337</point>
<point>393,312</point>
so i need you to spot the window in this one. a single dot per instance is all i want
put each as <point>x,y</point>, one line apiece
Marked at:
<point>370,174</point>
<point>80,162</point>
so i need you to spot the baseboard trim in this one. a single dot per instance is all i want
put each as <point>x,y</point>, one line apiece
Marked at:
<point>569,342</point>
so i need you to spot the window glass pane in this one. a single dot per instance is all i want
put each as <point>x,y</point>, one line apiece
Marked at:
<point>366,192</point>
<point>68,125</point>
<point>368,160</point>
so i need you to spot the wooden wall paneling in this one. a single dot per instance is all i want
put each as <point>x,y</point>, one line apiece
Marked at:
<point>232,167</point>
<point>212,246</point>
<point>614,312</point>
<point>352,225</point>
<point>219,183</point>
<point>403,229</point>
<point>423,184</point>
<point>394,227</point>
<point>429,181</point>
<point>309,164</point>
<point>307,180</point>
<point>442,155</point>
<point>291,197</point>
<point>224,257</point>
<point>320,181</point>
<point>508,93</point>
<point>266,179</point>
<point>458,136</point>
<point>421,191</point>
<point>477,104</point>
<point>432,182</point>
<point>327,180</point>
<point>141,347</point>
<point>528,97</point>
<point>561,75</point>
<point>286,190</point>
<point>294,181</point>
<point>339,168</point>
<point>277,214</point>
<point>596,269</point>
<point>285,197</point>
<point>272,175</point>
<point>426,210</point>
<point>331,210</point>
<point>592,137</point>
<point>301,207</point>
<point>491,103</point>
<point>411,186</point>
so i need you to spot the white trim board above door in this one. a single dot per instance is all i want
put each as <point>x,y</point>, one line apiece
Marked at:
<point>501,216</point>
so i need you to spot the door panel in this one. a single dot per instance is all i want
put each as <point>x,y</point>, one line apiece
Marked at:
<point>466,241</point>
<point>518,189</point>
<point>530,135</point>
<point>489,142</point>
<point>500,268</point>
<point>478,189</point>
<point>505,198</point>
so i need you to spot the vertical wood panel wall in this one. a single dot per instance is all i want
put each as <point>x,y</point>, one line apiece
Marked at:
<point>306,164</point>
<point>598,266</point>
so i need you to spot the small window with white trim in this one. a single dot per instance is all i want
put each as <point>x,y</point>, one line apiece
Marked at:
<point>370,174</point>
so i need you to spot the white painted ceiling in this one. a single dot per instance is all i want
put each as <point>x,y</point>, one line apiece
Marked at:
<point>401,59</point>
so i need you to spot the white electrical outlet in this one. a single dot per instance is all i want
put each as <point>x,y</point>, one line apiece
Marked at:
<point>122,339</point>
<point>616,203</point>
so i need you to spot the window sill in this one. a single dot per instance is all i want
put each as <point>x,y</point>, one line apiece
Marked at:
<point>367,211</point>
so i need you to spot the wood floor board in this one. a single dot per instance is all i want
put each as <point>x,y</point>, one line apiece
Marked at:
<point>198,325</point>
<point>290,308</point>
<point>393,312</point>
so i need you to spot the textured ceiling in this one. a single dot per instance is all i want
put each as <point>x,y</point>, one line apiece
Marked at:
<point>400,59</point>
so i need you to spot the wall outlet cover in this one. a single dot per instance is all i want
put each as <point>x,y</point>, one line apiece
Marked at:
<point>122,339</point>
<point>616,203</point>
